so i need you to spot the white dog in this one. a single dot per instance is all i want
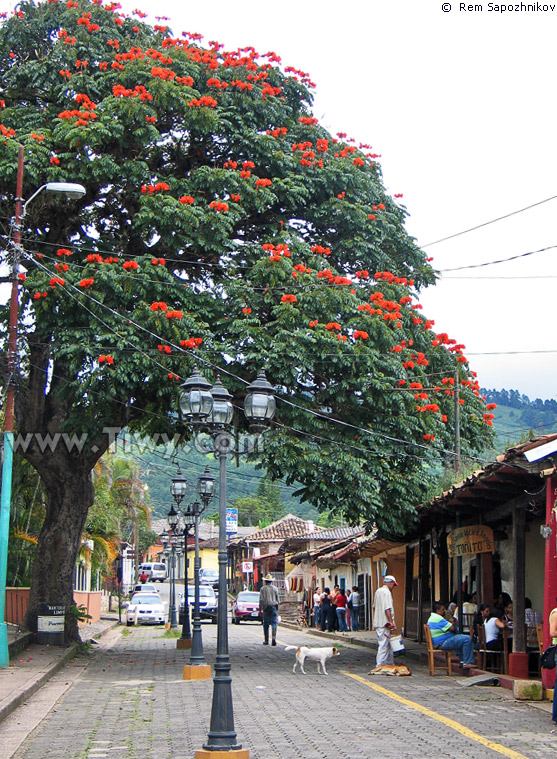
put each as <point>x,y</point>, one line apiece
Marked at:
<point>320,655</point>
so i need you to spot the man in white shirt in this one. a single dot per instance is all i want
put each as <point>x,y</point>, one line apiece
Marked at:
<point>384,620</point>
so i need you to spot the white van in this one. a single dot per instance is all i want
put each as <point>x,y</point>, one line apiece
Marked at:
<point>154,571</point>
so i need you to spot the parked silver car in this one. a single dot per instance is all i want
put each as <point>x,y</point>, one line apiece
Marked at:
<point>146,609</point>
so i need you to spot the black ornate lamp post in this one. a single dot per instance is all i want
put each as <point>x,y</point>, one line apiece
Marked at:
<point>178,489</point>
<point>197,669</point>
<point>171,555</point>
<point>197,409</point>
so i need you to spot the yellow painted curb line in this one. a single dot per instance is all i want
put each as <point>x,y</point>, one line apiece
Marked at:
<point>440,718</point>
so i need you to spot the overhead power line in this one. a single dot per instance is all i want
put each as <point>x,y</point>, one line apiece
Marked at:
<point>486,223</point>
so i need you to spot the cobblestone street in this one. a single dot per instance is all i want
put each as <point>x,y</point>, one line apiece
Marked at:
<point>127,698</point>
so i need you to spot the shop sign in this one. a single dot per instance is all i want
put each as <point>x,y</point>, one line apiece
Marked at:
<point>470,540</point>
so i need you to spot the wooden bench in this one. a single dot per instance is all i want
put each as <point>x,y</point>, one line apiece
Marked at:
<point>432,652</point>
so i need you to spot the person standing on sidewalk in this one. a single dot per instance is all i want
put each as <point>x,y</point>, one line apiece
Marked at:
<point>354,611</point>
<point>384,620</point>
<point>341,611</point>
<point>268,605</point>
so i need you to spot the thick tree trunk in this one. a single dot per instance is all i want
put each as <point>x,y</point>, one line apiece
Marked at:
<point>70,494</point>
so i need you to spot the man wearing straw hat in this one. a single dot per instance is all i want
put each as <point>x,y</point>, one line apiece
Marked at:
<point>268,605</point>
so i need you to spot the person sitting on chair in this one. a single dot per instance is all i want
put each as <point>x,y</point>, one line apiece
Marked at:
<point>494,625</point>
<point>443,636</point>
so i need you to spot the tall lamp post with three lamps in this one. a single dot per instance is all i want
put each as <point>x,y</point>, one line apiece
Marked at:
<point>203,406</point>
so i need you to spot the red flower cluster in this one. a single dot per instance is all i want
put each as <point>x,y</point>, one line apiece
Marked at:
<point>361,334</point>
<point>151,188</point>
<point>333,325</point>
<point>213,82</point>
<point>63,252</point>
<point>193,342</point>
<point>174,314</point>
<point>263,182</point>
<point>130,265</point>
<point>246,310</point>
<point>391,278</point>
<point>277,250</point>
<point>85,20</point>
<point>313,323</point>
<point>206,101</point>
<point>56,281</point>
<point>105,359</point>
<point>164,348</point>
<point>218,205</point>
<point>321,250</point>
<point>158,262</point>
<point>187,200</point>
<point>308,120</point>
<point>7,132</point>
<point>288,299</point>
<point>279,132</point>
<point>119,91</point>
<point>88,282</point>
<point>158,306</point>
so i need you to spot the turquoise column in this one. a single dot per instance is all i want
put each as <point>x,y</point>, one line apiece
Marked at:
<point>5,500</point>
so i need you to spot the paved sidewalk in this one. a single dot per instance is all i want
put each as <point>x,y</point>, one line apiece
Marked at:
<point>32,665</point>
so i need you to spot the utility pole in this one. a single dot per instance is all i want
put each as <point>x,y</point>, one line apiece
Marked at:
<point>7,463</point>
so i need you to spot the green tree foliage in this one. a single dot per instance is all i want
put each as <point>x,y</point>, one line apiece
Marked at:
<point>221,224</point>
<point>120,512</point>
<point>262,508</point>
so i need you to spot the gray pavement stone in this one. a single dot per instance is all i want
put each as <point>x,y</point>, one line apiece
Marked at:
<point>130,701</point>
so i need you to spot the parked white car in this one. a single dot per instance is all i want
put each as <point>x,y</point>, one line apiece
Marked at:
<point>145,587</point>
<point>146,609</point>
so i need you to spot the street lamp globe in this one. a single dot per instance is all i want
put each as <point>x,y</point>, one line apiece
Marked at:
<point>206,485</point>
<point>164,538</point>
<point>260,404</point>
<point>223,411</point>
<point>172,521</point>
<point>179,487</point>
<point>195,401</point>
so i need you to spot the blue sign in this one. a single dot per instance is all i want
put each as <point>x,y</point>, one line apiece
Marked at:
<point>231,521</point>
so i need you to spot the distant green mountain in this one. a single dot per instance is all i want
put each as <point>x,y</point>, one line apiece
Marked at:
<point>517,418</point>
<point>159,464</point>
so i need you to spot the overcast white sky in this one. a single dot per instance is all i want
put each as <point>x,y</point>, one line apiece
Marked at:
<point>461,107</point>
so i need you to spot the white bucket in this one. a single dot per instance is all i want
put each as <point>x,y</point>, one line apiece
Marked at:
<point>396,644</point>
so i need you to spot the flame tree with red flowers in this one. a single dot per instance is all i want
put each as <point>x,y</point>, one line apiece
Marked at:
<point>221,225</point>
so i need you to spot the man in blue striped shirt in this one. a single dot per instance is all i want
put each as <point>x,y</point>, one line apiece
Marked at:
<point>443,636</point>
